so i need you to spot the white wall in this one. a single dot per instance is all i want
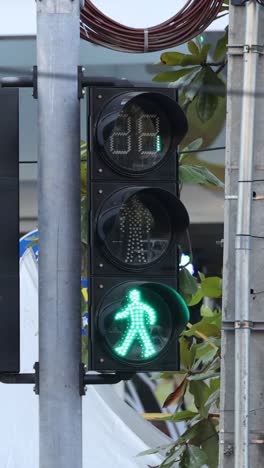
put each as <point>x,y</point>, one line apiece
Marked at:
<point>18,17</point>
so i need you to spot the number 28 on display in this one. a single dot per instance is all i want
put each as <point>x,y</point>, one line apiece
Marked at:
<point>148,142</point>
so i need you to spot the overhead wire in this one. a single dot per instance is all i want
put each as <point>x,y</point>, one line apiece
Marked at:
<point>208,89</point>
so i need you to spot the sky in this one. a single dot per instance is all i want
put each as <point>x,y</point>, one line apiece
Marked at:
<point>18,17</point>
<point>143,13</point>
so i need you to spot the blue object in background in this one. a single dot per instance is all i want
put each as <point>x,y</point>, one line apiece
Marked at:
<point>32,238</point>
<point>25,242</point>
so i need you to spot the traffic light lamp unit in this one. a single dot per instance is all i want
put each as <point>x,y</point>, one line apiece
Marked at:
<point>135,224</point>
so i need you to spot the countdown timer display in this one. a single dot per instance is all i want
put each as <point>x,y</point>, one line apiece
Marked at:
<point>134,134</point>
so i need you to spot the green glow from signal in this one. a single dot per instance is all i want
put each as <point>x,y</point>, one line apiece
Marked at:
<point>201,38</point>
<point>158,144</point>
<point>139,315</point>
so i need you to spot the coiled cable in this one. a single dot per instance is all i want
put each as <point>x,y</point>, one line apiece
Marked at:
<point>191,20</point>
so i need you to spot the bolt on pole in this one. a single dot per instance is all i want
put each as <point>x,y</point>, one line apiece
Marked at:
<point>60,425</point>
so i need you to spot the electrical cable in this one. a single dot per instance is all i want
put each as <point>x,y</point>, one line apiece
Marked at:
<point>190,21</point>
<point>180,152</point>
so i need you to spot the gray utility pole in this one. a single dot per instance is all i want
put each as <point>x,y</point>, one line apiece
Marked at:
<point>60,424</point>
<point>242,385</point>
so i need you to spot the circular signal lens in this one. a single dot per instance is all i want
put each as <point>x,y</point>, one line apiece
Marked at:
<point>136,230</point>
<point>135,323</point>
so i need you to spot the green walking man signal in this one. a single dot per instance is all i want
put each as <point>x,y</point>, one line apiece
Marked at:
<point>139,315</point>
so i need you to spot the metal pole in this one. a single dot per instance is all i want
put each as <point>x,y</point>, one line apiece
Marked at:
<point>243,239</point>
<point>241,404</point>
<point>60,428</point>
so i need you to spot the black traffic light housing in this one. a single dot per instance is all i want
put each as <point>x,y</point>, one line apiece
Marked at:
<point>9,233</point>
<point>135,223</point>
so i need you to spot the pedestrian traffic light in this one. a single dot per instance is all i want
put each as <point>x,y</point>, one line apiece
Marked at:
<point>135,223</point>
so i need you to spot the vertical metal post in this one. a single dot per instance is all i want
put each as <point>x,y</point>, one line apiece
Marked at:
<point>242,347</point>
<point>243,239</point>
<point>59,234</point>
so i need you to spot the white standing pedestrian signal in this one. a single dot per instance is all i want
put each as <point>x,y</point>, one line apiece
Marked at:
<point>136,222</point>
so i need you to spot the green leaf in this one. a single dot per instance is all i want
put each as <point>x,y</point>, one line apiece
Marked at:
<point>189,434</point>
<point>149,452</point>
<point>196,298</point>
<point>214,397</point>
<point>193,146</point>
<point>215,320</point>
<point>206,103</point>
<point>201,275</point>
<point>179,59</point>
<point>212,79</point>
<point>193,48</point>
<point>195,85</point>
<point>201,393</point>
<point>185,415</point>
<point>214,384</point>
<point>187,284</point>
<point>187,353</point>
<point>155,450</point>
<point>207,438</point>
<point>203,376</point>
<point>201,349</point>
<point>163,388</point>
<point>194,457</point>
<point>205,328</point>
<point>172,458</point>
<point>221,47</point>
<point>166,465</point>
<point>207,356</point>
<point>212,287</point>
<point>166,375</point>
<point>198,175</point>
<point>204,52</point>
<point>175,75</point>
<point>206,106</point>
<point>205,311</point>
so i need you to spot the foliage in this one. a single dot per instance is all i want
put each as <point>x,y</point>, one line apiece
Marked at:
<point>195,174</point>
<point>193,291</point>
<point>200,381</point>
<point>84,259</point>
<point>199,79</point>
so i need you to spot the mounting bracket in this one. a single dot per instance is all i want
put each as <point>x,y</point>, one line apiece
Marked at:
<point>85,379</point>
<point>23,378</point>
